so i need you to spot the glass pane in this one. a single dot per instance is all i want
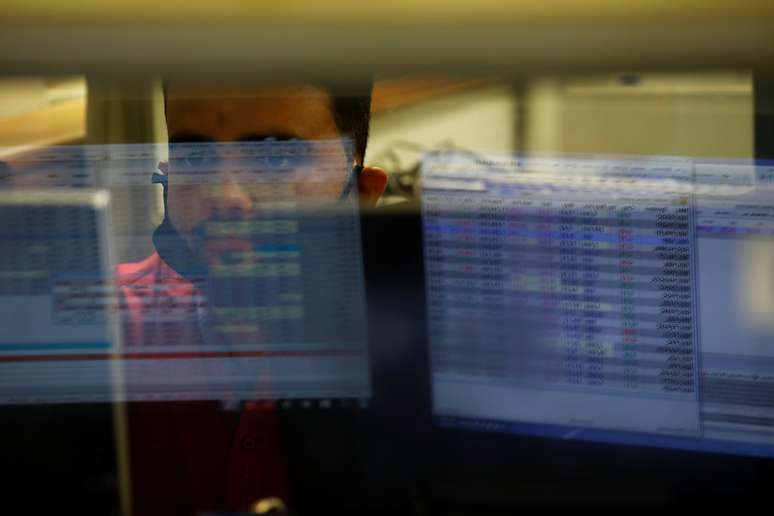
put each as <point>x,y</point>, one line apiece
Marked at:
<point>381,291</point>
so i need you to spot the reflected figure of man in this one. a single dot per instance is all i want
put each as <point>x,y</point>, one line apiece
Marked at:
<point>192,456</point>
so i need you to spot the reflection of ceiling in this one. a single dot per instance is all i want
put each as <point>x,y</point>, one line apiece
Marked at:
<point>20,95</point>
<point>52,124</point>
<point>41,111</point>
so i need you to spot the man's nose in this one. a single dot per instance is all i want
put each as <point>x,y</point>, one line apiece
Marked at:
<point>231,199</point>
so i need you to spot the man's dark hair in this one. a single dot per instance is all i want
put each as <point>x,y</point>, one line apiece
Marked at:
<point>351,113</point>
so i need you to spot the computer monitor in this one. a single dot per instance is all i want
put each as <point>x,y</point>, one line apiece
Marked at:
<point>57,332</point>
<point>615,299</point>
<point>278,315</point>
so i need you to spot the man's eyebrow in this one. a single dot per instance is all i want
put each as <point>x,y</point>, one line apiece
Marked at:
<point>256,137</point>
<point>189,138</point>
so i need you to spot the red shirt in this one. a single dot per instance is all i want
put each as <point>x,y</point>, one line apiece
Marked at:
<point>190,456</point>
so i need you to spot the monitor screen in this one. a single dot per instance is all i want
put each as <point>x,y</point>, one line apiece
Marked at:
<point>617,299</point>
<point>269,305</point>
<point>56,331</point>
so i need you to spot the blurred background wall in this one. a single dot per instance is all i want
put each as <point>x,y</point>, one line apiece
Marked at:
<point>686,114</point>
<point>677,113</point>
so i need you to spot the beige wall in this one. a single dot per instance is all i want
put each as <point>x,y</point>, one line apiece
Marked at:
<point>678,114</point>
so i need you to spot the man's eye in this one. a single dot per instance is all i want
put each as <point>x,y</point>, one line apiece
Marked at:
<point>278,161</point>
<point>284,162</point>
<point>197,162</point>
<point>193,161</point>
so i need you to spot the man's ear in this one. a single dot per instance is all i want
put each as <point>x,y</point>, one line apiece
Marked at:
<point>371,184</point>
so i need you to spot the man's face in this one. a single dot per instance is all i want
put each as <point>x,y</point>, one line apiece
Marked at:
<point>283,112</point>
